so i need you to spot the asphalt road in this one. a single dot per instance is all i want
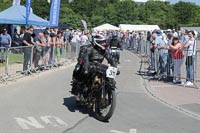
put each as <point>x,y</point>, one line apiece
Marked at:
<point>42,104</point>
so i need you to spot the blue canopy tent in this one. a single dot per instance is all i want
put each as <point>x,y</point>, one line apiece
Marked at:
<point>17,15</point>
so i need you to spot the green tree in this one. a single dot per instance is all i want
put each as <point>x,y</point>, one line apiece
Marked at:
<point>116,12</point>
<point>196,18</point>
<point>41,8</point>
<point>67,16</point>
<point>84,7</point>
<point>156,12</point>
<point>185,12</point>
<point>125,12</point>
<point>5,4</point>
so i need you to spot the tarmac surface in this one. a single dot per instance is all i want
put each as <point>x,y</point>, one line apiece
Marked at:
<point>178,96</point>
<point>41,103</point>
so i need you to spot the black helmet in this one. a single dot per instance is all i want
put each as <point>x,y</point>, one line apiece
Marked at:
<point>114,35</point>
<point>99,41</point>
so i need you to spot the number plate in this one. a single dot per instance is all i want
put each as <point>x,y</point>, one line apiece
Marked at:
<point>113,50</point>
<point>111,72</point>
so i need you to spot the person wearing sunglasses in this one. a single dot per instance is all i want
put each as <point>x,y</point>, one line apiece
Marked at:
<point>28,43</point>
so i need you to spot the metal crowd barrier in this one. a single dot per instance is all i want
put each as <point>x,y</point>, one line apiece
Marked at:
<point>17,61</point>
<point>3,63</point>
<point>176,66</point>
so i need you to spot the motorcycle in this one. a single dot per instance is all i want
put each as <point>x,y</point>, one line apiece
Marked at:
<point>98,93</point>
<point>114,51</point>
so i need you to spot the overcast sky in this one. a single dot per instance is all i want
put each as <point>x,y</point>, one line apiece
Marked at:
<point>197,2</point>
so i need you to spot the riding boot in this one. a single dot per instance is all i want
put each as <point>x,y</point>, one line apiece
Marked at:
<point>74,90</point>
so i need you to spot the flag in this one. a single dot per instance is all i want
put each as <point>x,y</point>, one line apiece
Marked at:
<point>28,9</point>
<point>16,2</point>
<point>54,12</point>
<point>84,24</point>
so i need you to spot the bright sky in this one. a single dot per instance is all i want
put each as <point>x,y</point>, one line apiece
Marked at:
<point>197,2</point>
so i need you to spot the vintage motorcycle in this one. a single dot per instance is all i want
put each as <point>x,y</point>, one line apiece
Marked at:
<point>98,93</point>
<point>114,51</point>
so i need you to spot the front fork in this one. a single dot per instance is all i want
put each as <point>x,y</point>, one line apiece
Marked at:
<point>106,89</point>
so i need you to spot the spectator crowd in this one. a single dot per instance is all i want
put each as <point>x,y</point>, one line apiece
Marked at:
<point>167,49</point>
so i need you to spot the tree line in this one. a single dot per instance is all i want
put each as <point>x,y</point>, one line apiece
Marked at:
<point>97,12</point>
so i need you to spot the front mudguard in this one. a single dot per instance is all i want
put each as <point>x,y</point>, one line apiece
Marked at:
<point>111,83</point>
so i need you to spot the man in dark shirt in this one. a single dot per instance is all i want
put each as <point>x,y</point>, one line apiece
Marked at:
<point>27,41</point>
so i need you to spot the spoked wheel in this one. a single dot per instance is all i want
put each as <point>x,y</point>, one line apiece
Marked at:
<point>105,106</point>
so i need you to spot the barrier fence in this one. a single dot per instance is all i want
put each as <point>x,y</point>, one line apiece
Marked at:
<point>25,60</point>
<point>174,68</point>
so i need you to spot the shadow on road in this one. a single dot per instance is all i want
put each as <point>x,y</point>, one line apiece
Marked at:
<point>70,103</point>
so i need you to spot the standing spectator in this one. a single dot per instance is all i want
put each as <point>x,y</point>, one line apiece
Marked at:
<point>149,36</point>
<point>126,36</point>
<point>170,64</point>
<point>175,34</point>
<point>59,45</point>
<point>177,56</point>
<point>67,36</point>
<point>46,48</point>
<point>76,42</point>
<point>84,37</point>
<point>163,53</point>
<point>5,42</point>
<point>53,44</point>
<point>190,46</point>
<point>39,44</point>
<point>27,41</point>
<point>22,31</point>
<point>185,37</point>
<point>131,40</point>
<point>16,39</point>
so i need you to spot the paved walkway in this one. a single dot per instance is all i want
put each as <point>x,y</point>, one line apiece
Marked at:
<point>183,98</point>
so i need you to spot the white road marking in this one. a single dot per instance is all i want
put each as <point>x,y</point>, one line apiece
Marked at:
<point>163,86</point>
<point>47,120</point>
<point>115,131</point>
<point>133,131</point>
<point>31,122</point>
<point>130,131</point>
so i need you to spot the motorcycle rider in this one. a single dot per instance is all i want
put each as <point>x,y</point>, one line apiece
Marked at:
<point>90,58</point>
<point>115,46</point>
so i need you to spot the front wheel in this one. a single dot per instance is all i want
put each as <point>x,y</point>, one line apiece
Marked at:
<point>105,105</point>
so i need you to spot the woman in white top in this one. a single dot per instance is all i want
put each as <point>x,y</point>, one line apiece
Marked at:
<point>190,47</point>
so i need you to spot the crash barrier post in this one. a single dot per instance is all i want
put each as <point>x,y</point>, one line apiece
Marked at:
<point>134,43</point>
<point>71,51</point>
<point>60,55</point>
<point>147,57</point>
<point>19,60</point>
<point>138,45</point>
<point>143,47</point>
<point>197,69</point>
<point>148,50</point>
<point>3,64</point>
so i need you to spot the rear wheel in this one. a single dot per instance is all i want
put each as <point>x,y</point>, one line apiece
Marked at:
<point>105,106</point>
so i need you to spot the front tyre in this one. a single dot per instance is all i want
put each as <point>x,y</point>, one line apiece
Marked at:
<point>105,106</point>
